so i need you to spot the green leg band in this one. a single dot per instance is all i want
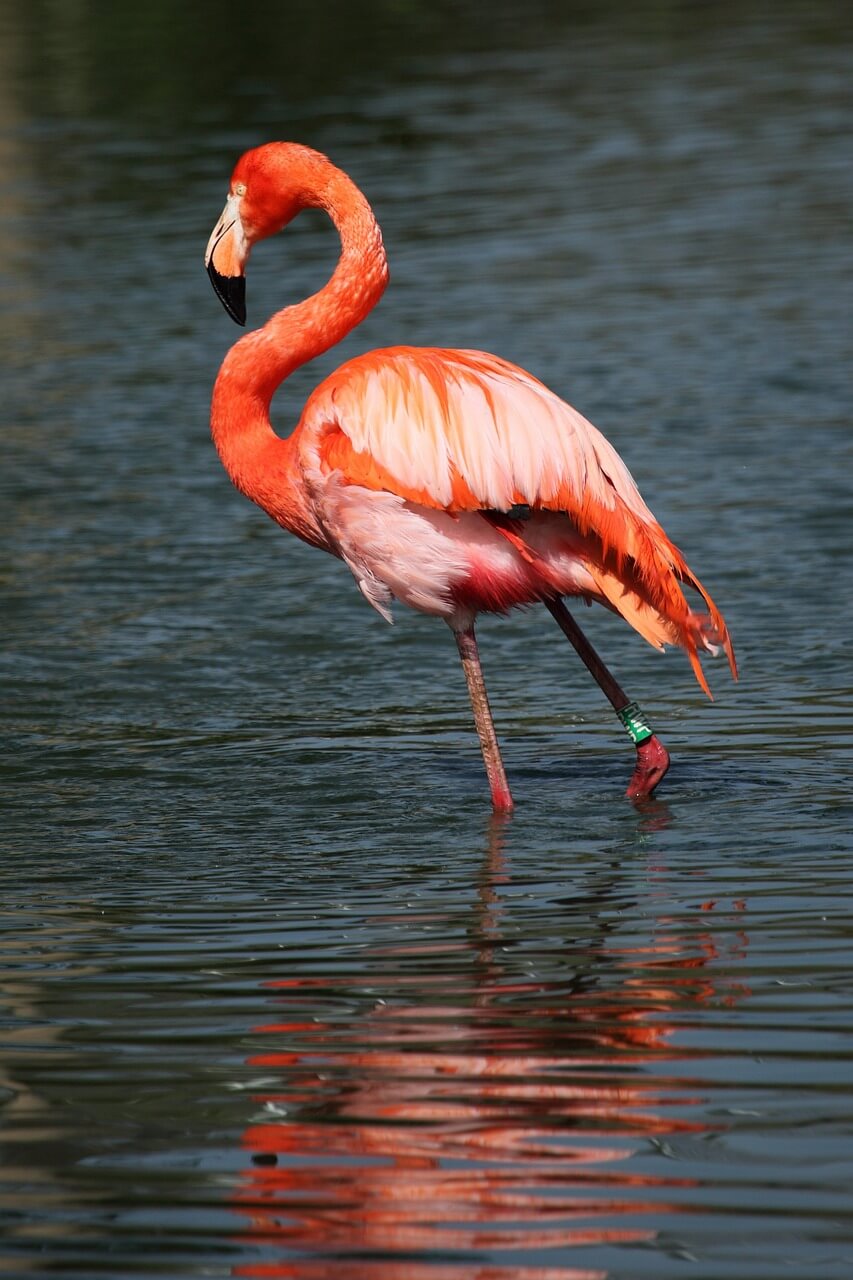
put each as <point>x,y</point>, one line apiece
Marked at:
<point>636,725</point>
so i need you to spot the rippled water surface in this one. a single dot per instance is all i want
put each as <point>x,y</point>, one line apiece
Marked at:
<point>279,997</point>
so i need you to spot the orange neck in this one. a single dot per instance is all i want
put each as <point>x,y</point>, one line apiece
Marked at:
<point>258,461</point>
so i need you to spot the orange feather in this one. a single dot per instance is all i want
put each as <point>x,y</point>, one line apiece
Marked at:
<point>444,430</point>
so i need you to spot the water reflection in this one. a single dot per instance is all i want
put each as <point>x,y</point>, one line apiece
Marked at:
<point>455,1113</point>
<point>38,1147</point>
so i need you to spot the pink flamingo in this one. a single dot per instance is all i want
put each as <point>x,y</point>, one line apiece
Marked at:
<point>451,480</point>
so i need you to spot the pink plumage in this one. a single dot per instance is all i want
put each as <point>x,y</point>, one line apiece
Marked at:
<point>450,480</point>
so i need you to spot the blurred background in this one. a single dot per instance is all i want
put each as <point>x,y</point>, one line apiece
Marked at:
<point>253,912</point>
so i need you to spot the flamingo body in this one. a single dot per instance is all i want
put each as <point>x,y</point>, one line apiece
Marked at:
<point>456,434</point>
<point>450,480</point>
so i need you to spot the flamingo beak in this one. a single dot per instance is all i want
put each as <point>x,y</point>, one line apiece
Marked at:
<point>225,260</point>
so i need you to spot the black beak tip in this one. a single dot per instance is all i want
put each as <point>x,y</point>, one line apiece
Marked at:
<point>231,292</point>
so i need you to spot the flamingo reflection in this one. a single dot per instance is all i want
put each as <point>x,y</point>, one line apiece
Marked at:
<point>472,1110</point>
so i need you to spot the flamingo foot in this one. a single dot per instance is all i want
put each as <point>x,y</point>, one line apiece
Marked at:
<point>502,801</point>
<point>652,764</point>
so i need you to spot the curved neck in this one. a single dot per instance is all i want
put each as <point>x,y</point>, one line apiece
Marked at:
<point>258,364</point>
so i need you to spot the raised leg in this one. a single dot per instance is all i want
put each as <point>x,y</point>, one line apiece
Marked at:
<point>652,755</point>
<point>466,642</point>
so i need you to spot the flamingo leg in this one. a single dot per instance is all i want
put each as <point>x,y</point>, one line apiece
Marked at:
<point>652,755</point>
<point>466,642</point>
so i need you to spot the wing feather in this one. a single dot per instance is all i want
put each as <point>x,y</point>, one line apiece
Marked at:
<point>465,431</point>
<point>428,417</point>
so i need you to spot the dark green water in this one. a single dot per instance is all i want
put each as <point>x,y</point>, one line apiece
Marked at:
<point>279,997</point>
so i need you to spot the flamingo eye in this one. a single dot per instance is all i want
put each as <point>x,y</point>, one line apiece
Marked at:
<point>240,189</point>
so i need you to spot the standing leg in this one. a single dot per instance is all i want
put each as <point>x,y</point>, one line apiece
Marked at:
<point>652,755</point>
<point>466,642</point>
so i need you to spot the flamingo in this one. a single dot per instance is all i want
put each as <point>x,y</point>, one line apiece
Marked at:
<point>450,480</point>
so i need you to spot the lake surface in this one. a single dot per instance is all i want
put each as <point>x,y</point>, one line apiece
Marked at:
<point>280,998</point>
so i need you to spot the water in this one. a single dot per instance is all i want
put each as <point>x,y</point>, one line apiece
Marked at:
<point>280,998</point>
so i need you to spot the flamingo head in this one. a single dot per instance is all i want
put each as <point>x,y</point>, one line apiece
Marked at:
<point>269,186</point>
